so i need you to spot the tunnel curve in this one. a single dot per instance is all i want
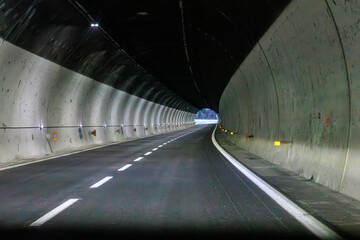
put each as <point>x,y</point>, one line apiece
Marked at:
<point>300,84</point>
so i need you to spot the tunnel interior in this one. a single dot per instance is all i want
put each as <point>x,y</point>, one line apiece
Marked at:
<point>79,74</point>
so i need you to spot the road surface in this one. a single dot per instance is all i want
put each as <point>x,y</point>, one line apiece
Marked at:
<point>171,184</point>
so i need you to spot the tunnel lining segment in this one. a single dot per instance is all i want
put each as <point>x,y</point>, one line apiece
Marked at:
<point>349,92</point>
<point>275,88</point>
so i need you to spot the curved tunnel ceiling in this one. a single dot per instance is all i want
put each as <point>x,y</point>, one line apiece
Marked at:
<point>177,53</point>
<point>218,35</point>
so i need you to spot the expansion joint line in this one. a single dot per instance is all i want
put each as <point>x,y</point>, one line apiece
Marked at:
<point>186,49</point>
<point>276,91</point>
<point>349,93</point>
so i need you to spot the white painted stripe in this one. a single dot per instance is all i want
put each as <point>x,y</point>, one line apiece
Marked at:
<point>310,222</point>
<point>138,159</point>
<point>101,182</point>
<point>54,212</point>
<point>160,146</point>
<point>148,153</point>
<point>124,167</point>
<point>164,143</point>
<point>155,149</point>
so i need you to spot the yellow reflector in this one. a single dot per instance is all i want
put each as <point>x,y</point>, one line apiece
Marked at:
<point>225,130</point>
<point>277,143</point>
<point>231,133</point>
<point>55,139</point>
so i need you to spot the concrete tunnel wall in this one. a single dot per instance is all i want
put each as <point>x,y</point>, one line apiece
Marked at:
<point>301,83</point>
<point>36,92</point>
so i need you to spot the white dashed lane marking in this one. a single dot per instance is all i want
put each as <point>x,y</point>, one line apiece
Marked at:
<point>101,182</point>
<point>124,167</point>
<point>138,159</point>
<point>54,212</point>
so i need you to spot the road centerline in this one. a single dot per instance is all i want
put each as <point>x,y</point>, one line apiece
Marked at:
<point>138,159</point>
<point>101,182</point>
<point>54,212</point>
<point>124,167</point>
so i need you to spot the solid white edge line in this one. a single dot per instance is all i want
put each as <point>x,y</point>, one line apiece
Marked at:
<point>148,153</point>
<point>138,159</point>
<point>124,167</point>
<point>310,222</point>
<point>54,212</point>
<point>101,182</point>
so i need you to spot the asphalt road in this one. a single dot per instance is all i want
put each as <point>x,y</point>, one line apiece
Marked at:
<point>185,187</point>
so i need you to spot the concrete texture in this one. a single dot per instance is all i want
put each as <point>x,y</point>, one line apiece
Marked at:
<point>300,84</point>
<point>39,97</point>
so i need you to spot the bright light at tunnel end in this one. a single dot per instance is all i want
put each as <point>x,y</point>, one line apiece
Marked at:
<point>206,116</point>
<point>205,121</point>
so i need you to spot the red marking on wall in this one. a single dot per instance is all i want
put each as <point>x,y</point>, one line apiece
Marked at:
<point>328,122</point>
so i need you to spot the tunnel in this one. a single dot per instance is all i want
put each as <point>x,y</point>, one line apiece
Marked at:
<point>99,105</point>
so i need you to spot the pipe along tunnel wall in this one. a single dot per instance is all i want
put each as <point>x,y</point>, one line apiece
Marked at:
<point>301,83</point>
<point>36,92</point>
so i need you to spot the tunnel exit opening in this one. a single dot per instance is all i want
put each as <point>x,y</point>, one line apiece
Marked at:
<point>206,116</point>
